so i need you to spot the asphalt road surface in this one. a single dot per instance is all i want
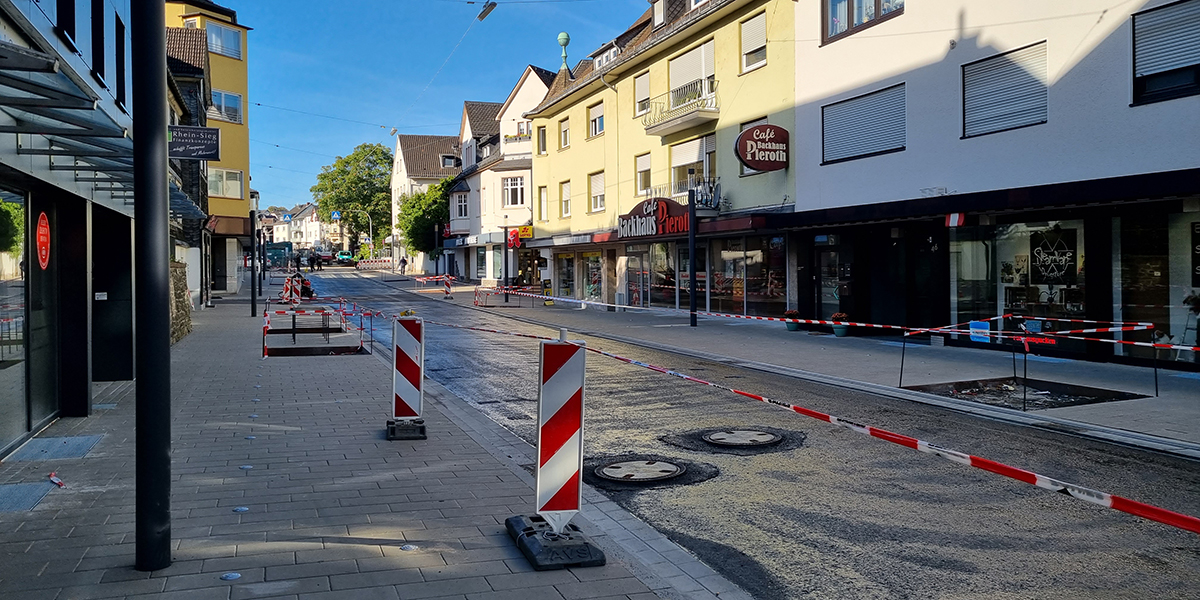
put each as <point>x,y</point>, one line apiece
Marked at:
<point>829,513</point>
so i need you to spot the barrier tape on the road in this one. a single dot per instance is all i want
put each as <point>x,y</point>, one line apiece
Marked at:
<point>1133,507</point>
<point>1088,321</point>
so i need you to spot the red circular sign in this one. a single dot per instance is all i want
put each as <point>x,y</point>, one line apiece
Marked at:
<point>763,148</point>
<point>43,241</point>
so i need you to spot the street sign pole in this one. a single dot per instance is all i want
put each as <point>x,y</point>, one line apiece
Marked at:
<point>152,320</point>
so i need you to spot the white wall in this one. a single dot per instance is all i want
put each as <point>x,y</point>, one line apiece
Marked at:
<point>1091,132</point>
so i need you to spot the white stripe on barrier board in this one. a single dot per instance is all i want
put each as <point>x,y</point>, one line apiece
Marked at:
<point>558,470</point>
<point>562,386</point>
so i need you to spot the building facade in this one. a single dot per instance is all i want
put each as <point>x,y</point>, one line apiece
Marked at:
<point>419,162</point>
<point>229,178</point>
<point>66,204</point>
<point>958,160</point>
<point>624,136</point>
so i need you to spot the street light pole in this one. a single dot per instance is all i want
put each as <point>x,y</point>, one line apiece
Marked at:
<point>692,247</point>
<point>504,259</point>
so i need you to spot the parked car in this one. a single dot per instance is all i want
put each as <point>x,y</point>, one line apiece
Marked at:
<point>344,257</point>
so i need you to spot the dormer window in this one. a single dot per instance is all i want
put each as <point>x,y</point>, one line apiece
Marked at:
<point>607,57</point>
<point>487,151</point>
<point>448,161</point>
<point>660,12</point>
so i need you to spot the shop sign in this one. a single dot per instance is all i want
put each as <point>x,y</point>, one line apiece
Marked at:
<point>651,217</point>
<point>526,232</point>
<point>473,240</point>
<point>763,148</point>
<point>43,241</point>
<point>591,255</point>
<point>1053,257</point>
<point>1195,254</point>
<point>193,143</point>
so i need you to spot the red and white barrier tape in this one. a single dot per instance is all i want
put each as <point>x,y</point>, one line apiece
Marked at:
<point>1088,321</point>
<point>1133,507</point>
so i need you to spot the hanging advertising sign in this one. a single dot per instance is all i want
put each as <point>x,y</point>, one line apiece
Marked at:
<point>43,241</point>
<point>652,217</point>
<point>763,148</point>
<point>193,143</point>
<point>526,232</point>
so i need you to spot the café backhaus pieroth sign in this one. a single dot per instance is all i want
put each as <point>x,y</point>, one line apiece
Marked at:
<point>763,148</point>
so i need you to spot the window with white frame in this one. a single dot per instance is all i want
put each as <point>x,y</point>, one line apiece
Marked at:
<point>460,206</point>
<point>596,120</point>
<point>1166,52</point>
<point>698,155</point>
<point>696,3</point>
<point>543,204</point>
<point>514,191</point>
<point>596,191</point>
<point>564,137</point>
<point>192,23</point>
<point>642,179</point>
<point>1005,92</point>
<point>607,57</point>
<point>641,94</point>
<point>692,74</point>
<point>754,42</point>
<point>541,140</point>
<point>763,121</point>
<point>863,126</point>
<point>660,12</point>
<point>225,41</point>
<point>224,183</point>
<point>564,198</point>
<point>844,17</point>
<point>226,106</point>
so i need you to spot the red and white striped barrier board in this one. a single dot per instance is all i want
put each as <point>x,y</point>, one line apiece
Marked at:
<point>560,432</point>
<point>266,328</point>
<point>408,389</point>
<point>1133,507</point>
<point>373,264</point>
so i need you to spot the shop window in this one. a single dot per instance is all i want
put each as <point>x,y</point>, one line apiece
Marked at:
<point>727,293</point>
<point>1004,92</point>
<point>480,262</point>
<point>662,276</point>
<point>1156,264</point>
<point>15,260</point>
<point>845,17</point>
<point>1166,52</point>
<point>565,266</point>
<point>497,261</point>
<point>766,275</point>
<point>593,269</point>
<point>864,126</point>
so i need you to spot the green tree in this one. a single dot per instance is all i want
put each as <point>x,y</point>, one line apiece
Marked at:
<point>358,182</point>
<point>12,226</point>
<point>420,213</point>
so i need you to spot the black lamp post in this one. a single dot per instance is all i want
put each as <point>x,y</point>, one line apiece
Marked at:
<point>504,259</point>
<point>692,247</point>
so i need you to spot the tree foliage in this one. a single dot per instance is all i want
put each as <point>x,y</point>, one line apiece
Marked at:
<point>358,182</point>
<point>423,212</point>
<point>12,227</point>
<point>278,210</point>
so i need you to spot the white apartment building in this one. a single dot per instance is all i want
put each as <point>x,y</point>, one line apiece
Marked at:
<point>419,162</point>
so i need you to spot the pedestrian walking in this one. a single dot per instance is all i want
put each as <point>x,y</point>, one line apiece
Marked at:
<point>316,262</point>
<point>296,259</point>
<point>403,264</point>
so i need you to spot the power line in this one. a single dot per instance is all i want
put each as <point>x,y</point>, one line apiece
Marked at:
<point>293,149</point>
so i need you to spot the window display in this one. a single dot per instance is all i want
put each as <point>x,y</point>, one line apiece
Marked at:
<point>594,272</point>
<point>1157,259</point>
<point>14,261</point>
<point>565,267</point>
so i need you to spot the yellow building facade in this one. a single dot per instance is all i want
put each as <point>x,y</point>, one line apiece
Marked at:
<point>615,139</point>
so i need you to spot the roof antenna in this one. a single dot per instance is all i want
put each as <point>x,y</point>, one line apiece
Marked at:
<point>563,40</point>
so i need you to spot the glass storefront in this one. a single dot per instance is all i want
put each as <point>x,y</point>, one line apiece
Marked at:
<point>701,278</point>
<point>480,262</point>
<point>564,265</point>
<point>1031,269</point>
<point>13,262</point>
<point>637,275</point>
<point>593,272</point>
<point>728,291</point>
<point>1156,260</point>
<point>662,276</point>
<point>749,275</point>
<point>497,262</point>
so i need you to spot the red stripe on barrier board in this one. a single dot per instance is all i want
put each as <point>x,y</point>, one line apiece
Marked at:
<point>402,409</point>
<point>895,438</point>
<point>1155,513</point>
<point>1005,470</point>
<point>554,356</point>
<point>408,368</point>
<point>413,328</point>
<point>566,498</point>
<point>560,428</point>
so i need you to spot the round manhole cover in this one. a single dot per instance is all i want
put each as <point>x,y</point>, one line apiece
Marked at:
<point>742,437</point>
<point>640,470</point>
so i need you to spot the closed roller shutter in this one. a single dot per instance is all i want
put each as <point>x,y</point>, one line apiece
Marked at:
<point>598,183</point>
<point>1166,39</point>
<point>865,125</point>
<point>687,153</point>
<point>643,162</point>
<point>686,68</point>
<point>1005,91</point>
<point>754,33</point>
<point>596,111</point>
<point>641,87</point>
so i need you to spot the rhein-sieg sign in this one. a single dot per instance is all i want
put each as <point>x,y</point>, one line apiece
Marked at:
<point>193,143</point>
<point>763,148</point>
<point>654,216</point>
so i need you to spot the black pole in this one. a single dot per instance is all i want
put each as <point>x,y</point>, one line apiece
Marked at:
<point>504,263</point>
<point>148,44</point>
<point>1156,372</point>
<point>253,260</point>
<point>692,249</point>
<point>262,254</point>
<point>903,348</point>
<point>1025,382</point>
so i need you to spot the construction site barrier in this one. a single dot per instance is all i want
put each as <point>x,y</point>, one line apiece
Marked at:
<point>1119,503</point>
<point>373,264</point>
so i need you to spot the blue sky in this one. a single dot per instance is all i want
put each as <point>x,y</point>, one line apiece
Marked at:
<point>369,60</point>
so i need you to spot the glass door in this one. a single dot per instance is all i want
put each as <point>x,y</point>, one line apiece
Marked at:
<point>701,279</point>
<point>637,279</point>
<point>829,298</point>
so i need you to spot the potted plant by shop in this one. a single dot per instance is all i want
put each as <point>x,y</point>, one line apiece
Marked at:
<point>840,330</point>
<point>792,314</point>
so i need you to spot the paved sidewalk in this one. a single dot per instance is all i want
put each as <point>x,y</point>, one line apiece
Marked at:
<point>332,510</point>
<point>1173,415</point>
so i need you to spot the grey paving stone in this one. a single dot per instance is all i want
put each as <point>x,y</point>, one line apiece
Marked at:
<point>600,588</point>
<point>375,579</point>
<point>459,571</point>
<point>112,590</point>
<point>406,560</point>
<point>273,589</point>
<point>516,581</point>
<point>217,593</point>
<point>321,569</point>
<point>443,588</point>
<point>532,593</point>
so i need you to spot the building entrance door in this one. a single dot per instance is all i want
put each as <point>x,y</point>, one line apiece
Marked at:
<point>829,290</point>
<point>638,279</point>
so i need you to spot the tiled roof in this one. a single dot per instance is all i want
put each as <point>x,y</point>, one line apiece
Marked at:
<point>482,116</point>
<point>422,155</point>
<point>187,52</point>
<point>642,36</point>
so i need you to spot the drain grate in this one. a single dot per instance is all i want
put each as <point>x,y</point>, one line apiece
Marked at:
<point>640,470</point>
<point>23,496</point>
<point>742,438</point>
<point>56,447</point>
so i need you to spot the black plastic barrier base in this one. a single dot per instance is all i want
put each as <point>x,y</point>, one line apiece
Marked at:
<point>406,430</point>
<point>546,551</point>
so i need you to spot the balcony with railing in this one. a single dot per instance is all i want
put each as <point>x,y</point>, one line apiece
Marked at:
<point>684,107</point>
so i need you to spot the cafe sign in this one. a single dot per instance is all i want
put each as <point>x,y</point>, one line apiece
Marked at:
<point>651,217</point>
<point>763,148</point>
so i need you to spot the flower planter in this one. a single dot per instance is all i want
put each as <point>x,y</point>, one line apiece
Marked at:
<point>793,326</point>
<point>841,330</point>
